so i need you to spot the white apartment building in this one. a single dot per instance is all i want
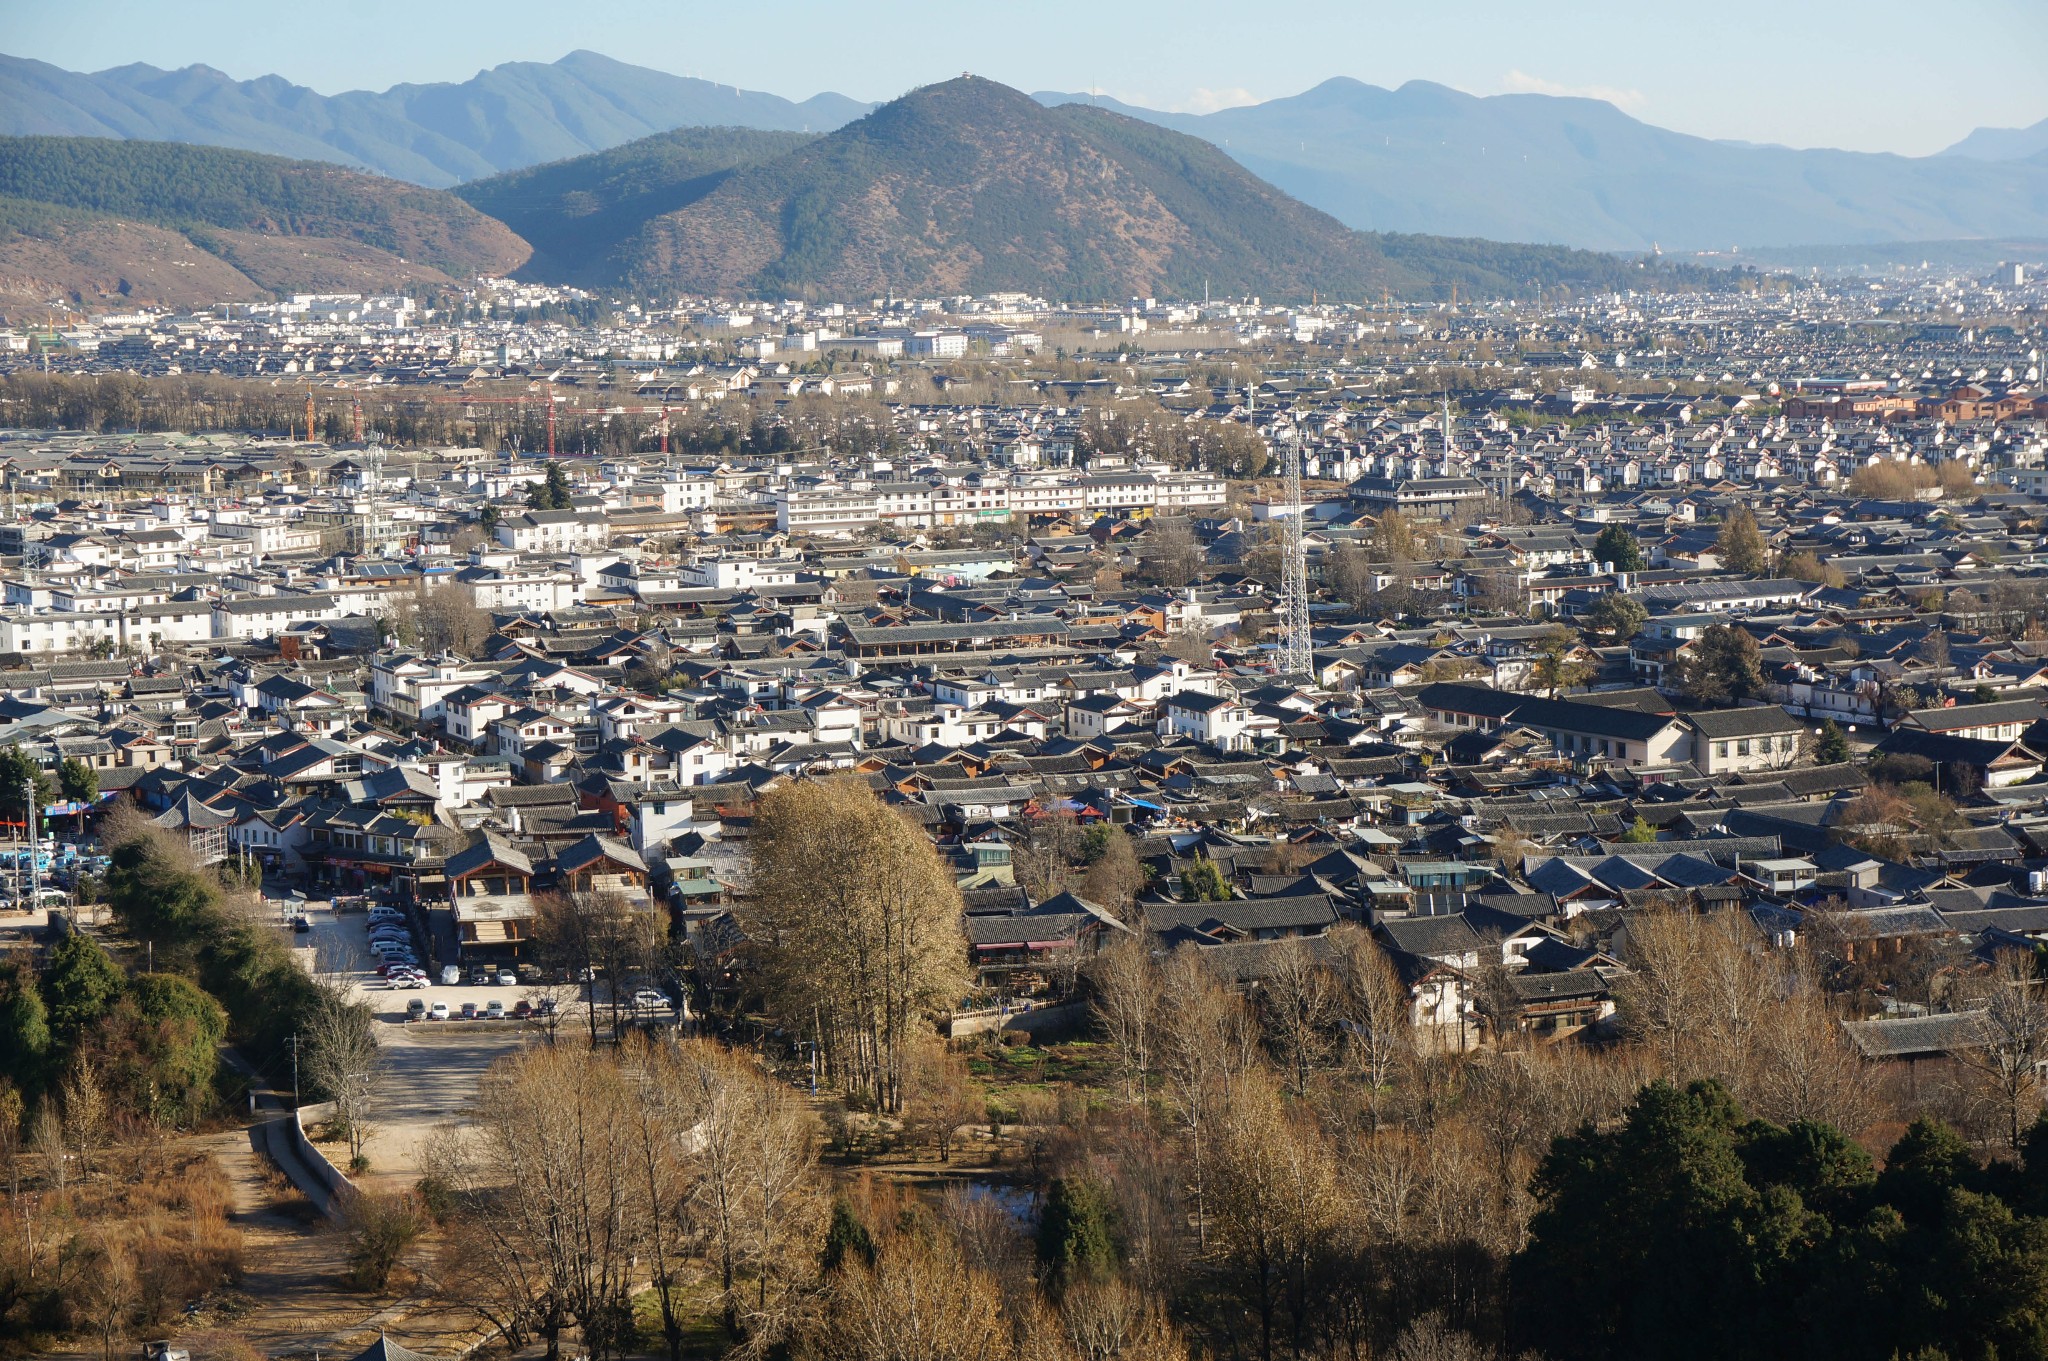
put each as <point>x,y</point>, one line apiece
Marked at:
<point>834,510</point>
<point>554,531</point>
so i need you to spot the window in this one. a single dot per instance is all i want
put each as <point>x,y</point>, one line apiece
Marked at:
<point>1742,747</point>
<point>1720,748</point>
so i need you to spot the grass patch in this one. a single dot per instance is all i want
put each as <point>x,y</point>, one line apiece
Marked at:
<point>703,1334</point>
<point>1079,1064</point>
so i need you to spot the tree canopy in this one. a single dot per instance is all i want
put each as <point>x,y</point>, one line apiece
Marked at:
<point>859,924</point>
<point>1691,1231</point>
<point>1741,544</point>
<point>1619,547</point>
<point>1725,666</point>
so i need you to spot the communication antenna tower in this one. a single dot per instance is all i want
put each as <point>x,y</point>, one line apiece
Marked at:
<point>1297,655</point>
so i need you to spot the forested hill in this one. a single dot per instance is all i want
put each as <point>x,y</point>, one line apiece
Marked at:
<point>576,212</point>
<point>972,187</point>
<point>91,218</point>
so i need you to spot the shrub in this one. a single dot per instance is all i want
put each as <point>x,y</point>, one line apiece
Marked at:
<point>379,1230</point>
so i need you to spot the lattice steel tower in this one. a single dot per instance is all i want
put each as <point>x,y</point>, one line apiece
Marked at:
<point>1297,657</point>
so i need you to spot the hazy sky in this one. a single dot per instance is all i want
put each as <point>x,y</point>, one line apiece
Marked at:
<point>1870,75</point>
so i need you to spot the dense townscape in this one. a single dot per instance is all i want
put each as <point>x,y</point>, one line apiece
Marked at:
<point>1517,701</point>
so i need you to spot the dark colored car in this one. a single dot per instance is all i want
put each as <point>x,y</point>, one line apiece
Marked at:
<point>522,1009</point>
<point>301,926</point>
<point>469,1011</point>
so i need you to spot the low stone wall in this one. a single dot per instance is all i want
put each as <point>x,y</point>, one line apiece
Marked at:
<point>1037,1023</point>
<point>339,1187</point>
<point>283,1140</point>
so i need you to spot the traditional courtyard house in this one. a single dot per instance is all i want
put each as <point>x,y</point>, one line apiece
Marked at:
<point>490,886</point>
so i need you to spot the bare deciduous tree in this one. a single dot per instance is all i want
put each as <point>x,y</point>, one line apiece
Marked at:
<point>1372,1009</point>
<point>343,1059</point>
<point>858,923</point>
<point>1125,1002</point>
<point>549,1201</point>
<point>1298,1007</point>
<point>2014,1025</point>
<point>746,1197</point>
<point>1205,1042</point>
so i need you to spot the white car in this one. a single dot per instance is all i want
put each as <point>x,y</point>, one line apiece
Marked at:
<point>438,1012</point>
<point>647,999</point>
<point>409,980</point>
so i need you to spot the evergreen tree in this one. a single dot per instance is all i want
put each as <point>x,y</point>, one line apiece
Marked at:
<point>79,987</point>
<point>1619,547</point>
<point>1832,746</point>
<point>19,773</point>
<point>1725,666</point>
<point>1202,882</point>
<point>1617,615</point>
<point>1077,1232</point>
<point>553,493</point>
<point>78,780</point>
<point>24,1030</point>
<point>846,1238</point>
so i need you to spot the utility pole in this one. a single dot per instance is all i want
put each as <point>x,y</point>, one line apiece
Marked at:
<point>28,818</point>
<point>294,1042</point>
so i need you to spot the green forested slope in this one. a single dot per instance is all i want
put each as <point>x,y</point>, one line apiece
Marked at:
<point>168,184</point>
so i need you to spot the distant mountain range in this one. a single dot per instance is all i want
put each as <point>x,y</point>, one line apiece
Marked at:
<point>511,116</point>
<point>972,187</point>
<point>99,222</point>
<point>1429,158</point>
<point>2003,144</point>
<point>1421,158</point>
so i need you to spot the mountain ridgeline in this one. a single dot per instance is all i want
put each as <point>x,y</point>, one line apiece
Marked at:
<point>97,220</point>
<point>577,214</point>
<point>508,117</point>
<point>971,187</point>
<point>1525,167</point>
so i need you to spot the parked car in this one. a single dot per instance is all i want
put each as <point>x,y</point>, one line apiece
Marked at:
<point>450,974</point>
<point>482,978</point>
<point>522,1009</point>
<point>301,926</point>
<point>544,1007</point>
<point>494,1010</point>
<point>416,1009</point>
<point>507,979</point>
<point>469,1011</point>
<point>438,1012</point>
<point>410,979</point>
<point>647,999</point>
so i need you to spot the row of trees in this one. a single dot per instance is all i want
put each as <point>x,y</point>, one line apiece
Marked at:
<point>1241,1105</point>
<point>193,402</point>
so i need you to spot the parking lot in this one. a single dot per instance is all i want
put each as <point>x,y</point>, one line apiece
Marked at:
<point>337,947</point>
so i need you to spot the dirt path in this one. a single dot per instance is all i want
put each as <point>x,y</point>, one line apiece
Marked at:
<point>291,1302</point>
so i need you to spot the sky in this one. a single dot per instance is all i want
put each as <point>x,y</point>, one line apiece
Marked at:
<point>1864,75</point>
